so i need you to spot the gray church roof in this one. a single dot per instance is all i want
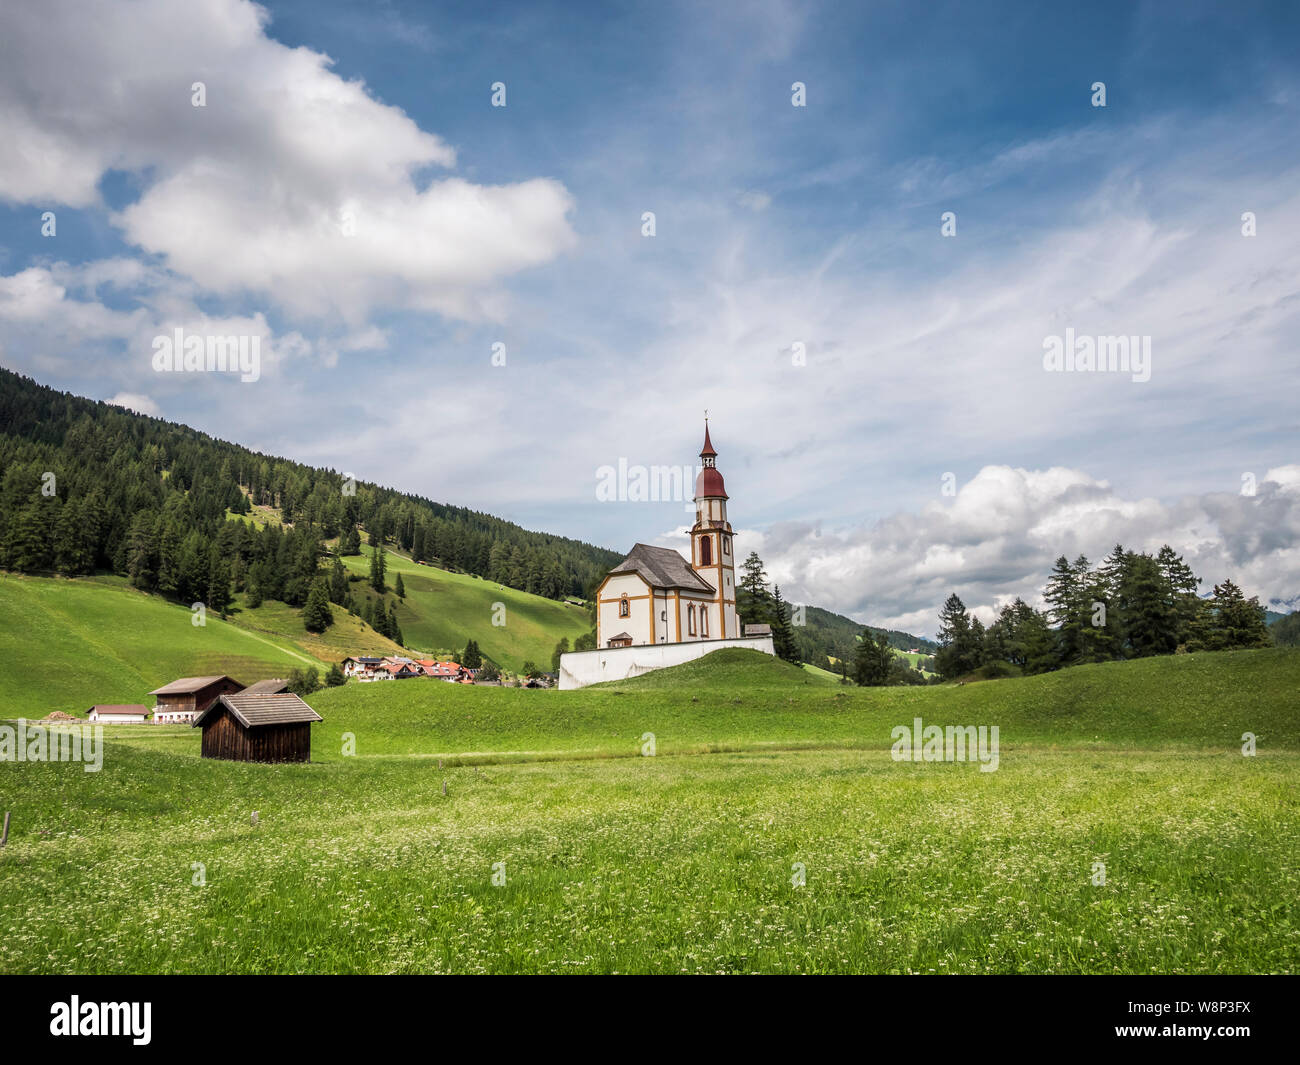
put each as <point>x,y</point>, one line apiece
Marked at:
<point>662,567</point>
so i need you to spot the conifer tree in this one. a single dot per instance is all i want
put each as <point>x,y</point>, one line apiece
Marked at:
<point>1238,621</point>
<point>958,651</point>
<point>316,614</point>
<point>782,635</point>
<point>872,665</point>
<point>339,584</point>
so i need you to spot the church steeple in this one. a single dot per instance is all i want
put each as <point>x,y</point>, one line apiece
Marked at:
<point>709,484</point>
<point>708,454</point>
<point>712,554</point>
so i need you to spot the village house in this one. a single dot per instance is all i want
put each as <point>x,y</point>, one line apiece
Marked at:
<point>119,713</point>
<point>181,701</point>
<point>449,671</point>
<point>401,668</point>
<point>361,668</point>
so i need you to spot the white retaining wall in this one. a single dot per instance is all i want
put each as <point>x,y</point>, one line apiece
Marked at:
<point>580,668</point>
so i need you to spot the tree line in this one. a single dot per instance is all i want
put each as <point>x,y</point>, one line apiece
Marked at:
<point>1131,605</point>
<point>87,487</point>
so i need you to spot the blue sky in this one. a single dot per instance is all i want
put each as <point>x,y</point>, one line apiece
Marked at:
<point>776,226</point>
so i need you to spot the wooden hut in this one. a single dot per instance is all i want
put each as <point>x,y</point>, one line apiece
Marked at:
<point>258,727</point>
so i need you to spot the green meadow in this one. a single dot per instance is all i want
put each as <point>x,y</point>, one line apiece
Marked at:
<point>443,609</point>
<point>771,831</point>
<point>76,642</point>
<point>68,644</point>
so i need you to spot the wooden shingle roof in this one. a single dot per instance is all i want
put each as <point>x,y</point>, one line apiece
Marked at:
<point>255,710</point>
<point>189,684</point>
<point>266,687</point>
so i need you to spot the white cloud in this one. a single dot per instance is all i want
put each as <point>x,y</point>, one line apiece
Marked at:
<point>257,191</point>
<point>998,537</point>
<point>47,326</point>
<point>136,402</point>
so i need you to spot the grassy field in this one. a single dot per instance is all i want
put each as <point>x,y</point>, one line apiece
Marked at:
<point>684,861</point>
<point>443,610</point>
<point>70,643</point>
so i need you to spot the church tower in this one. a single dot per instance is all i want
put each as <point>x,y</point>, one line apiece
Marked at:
<point>713,554</point>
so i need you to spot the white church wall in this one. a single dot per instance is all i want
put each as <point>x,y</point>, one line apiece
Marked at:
<point>637,623</point>
<point>580,668</point>
<point>699,599</point>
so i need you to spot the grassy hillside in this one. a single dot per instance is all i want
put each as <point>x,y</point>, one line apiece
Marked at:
<point>349,635</point>
<point>71,643</point>
<point>735,700</point>
<point>684,861</point>
<point>98,640</point>
<point>444,610</point>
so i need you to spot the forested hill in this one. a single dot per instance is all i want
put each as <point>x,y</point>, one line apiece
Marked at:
<point>87,486</point>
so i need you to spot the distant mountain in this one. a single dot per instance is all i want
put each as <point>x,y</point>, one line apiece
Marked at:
<point>826,634</point>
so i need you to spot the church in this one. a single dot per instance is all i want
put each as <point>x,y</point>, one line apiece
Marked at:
<point>658,608</point>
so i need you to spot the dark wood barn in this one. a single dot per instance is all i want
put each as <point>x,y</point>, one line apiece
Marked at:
<point>183,700</point>
<point>258,727</point>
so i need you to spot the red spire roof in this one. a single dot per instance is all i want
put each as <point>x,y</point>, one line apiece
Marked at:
<point>709,484</point>
<point>708,446</point>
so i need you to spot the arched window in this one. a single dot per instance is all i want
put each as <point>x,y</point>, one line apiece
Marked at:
<point>704,621</point>
<point>624,608</point>
<point>690,620</point>
<point>706,550</point>
<point>726,545</point>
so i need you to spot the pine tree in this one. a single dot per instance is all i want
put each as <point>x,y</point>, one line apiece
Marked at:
<point>471,657</point>
<point>1065,607</point>
<point>28,546</point>
<point>753,601</point>
<point>1150,620</point>
<point>1039,642</point>
<point>142,551</point>
<point>1238,621</point>
<point>874,660</point>
<point>400,588</point>
<point>1183,584</point>
<point>334,676</point>
<point>378,566</point>
<point>394,629</point>
<point>339,584</point>
<point>218,594</point>
<point>1099,631</point>
<point>782,635</point>
<point>753,580</point>
<point>959,652</point>
<point>316,615</point>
